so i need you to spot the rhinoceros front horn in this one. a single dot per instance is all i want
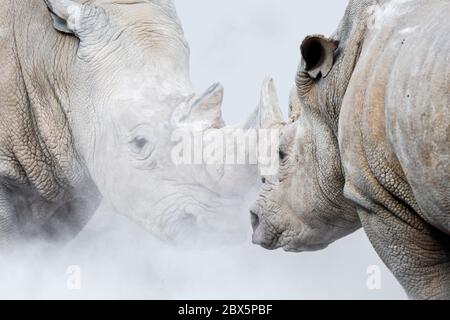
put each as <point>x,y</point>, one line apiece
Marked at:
<point>270,113</point>
<point>267,114</point>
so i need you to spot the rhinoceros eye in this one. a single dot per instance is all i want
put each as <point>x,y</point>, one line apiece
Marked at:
<point>138,143</point>
<point>283,154</point>
<point>140,147</point>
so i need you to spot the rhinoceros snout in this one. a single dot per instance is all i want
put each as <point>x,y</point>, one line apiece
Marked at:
<point>261,236</point>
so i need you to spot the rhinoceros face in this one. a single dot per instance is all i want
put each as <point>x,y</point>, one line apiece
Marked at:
<point>132,71</point>
<point>302,207</point>
<point>293,209</point>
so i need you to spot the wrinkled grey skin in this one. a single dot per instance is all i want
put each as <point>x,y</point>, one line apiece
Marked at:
<point>370,144</point>
<point>89,109</point>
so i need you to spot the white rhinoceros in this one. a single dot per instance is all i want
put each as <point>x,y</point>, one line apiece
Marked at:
<point>90,94</point>
<point>370,145</point>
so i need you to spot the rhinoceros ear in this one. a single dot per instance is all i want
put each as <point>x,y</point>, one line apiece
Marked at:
<point>66,15</point>
<point>318,55</point>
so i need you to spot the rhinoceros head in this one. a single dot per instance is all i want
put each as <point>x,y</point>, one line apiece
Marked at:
<point>302,207</point>
<point>133,102</point>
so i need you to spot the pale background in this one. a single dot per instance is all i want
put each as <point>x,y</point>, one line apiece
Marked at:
<point>237,43</point>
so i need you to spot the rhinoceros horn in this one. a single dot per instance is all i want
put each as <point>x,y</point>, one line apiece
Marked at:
<point>205,112</point>
<point>268,114</point>
<point>271,115</point>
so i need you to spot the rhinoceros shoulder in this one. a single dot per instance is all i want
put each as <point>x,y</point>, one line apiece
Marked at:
<point>36,143</point>
<point>394,118</point>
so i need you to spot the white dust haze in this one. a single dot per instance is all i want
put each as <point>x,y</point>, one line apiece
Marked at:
<point>237,43</point>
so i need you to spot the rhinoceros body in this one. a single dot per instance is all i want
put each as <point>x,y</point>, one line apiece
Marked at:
<point>394,137</point>
<point>91,93</point>
<point>370,145</point>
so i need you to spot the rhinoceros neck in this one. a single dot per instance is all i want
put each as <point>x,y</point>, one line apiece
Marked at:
<point>43,134</point>
<point>350,34</point>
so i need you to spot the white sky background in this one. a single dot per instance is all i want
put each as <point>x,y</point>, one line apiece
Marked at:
<point>237,43</point>
<point>240,42</point>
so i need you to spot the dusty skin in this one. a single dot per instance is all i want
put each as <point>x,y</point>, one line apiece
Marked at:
<point>368,143</point>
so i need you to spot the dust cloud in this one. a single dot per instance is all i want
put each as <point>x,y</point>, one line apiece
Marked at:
<point>116,259</point>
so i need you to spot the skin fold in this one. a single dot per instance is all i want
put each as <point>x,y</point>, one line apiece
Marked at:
<point>369,144</point>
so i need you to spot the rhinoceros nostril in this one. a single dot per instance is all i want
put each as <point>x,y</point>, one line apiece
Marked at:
<point>255,220</point>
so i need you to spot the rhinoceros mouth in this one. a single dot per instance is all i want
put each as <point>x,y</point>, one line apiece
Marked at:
<point>271,237</point>
<point>261,237</point>
<point>194,212</point>
<point>265,233</point>
<point>200,227</point>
